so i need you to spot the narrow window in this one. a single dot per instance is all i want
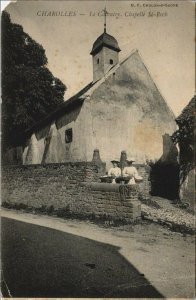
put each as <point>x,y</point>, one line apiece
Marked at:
<point>97,60</point>
<point>68,135</point>
<point>111,61</point>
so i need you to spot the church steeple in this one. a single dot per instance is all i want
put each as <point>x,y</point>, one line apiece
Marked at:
<point>104,53</point>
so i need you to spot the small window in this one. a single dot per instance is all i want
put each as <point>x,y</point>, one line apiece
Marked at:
<point>111,61</point>
<point>97,60</point>
<point>68,135</point>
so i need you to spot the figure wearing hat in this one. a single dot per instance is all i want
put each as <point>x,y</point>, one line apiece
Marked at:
<point>115,171</point>
<point>131,171</point>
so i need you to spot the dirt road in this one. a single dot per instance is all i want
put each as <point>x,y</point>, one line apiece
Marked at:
<point>51,257</point>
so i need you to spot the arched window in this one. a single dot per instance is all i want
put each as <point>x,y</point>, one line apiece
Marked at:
<point>111,61</point>
<point>97,60</point>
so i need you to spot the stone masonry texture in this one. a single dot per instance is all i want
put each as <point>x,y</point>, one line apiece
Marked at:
<point>72,187</point>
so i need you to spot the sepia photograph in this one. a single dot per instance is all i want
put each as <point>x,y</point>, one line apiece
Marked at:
<point>97,149</point>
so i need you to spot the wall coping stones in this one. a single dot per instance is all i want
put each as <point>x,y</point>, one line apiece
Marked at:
<point>53,165</point>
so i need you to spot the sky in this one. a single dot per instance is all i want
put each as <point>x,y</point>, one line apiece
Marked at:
<point>164,36</point>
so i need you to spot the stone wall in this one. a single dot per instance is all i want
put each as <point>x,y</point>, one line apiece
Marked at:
<point>114,201</point>
<point>72,187</point>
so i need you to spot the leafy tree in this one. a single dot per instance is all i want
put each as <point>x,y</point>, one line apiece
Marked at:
<point>184,136</point>
<point>29,90</point>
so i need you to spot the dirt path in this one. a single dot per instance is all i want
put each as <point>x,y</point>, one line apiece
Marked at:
<point>163,258</point>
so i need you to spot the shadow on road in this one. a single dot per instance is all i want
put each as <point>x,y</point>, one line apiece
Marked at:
<point>43,262</point>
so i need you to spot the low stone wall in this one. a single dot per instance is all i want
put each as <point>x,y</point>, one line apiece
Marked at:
<point>119,202</point>
<point>70,187</point>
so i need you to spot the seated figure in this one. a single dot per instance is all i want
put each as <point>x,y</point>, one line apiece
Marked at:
<point>131,171</point>
<point>115,171</point>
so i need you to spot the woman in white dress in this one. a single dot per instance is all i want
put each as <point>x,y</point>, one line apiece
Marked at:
<point>131,171</point>
<point>115,171</point>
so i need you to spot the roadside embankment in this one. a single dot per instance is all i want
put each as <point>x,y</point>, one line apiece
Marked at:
<point>162,211</point>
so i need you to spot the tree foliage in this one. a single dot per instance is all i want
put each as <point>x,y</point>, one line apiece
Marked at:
<point>29,90</point>
<point>184,136</point>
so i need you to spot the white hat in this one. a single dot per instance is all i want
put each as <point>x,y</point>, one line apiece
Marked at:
<point>131,159</point>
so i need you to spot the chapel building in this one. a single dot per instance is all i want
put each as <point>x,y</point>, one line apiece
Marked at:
<point>121,109</point>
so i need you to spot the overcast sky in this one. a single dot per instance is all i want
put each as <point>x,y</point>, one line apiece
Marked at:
<point>166,43</point>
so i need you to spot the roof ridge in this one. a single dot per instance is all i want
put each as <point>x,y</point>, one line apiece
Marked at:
<point>70,101</point>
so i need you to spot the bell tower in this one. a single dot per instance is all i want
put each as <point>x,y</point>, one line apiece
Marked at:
<point>104,53</point>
